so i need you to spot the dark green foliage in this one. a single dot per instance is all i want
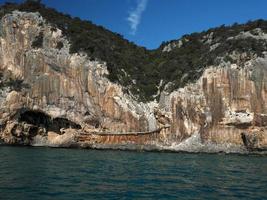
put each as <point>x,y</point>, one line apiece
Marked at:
<point>59,45</point>
<point>38,42</point>
<point>15,84</point>
<point>99,43</point>
<point>53,29</point>
<point>139,69</point>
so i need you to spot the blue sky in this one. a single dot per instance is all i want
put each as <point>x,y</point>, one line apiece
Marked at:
<point>150,22</point>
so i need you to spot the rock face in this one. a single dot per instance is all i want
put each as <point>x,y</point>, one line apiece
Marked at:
<point>224,103</point>
<point>51,97</point>
<point>64,86</point>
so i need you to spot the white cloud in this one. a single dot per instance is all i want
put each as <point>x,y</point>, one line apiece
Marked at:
<point>135,15</point>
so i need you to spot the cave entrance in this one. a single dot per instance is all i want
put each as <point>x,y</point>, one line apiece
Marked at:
<point>36,118</point>
<point>58,123</point>
<point>41,119</point>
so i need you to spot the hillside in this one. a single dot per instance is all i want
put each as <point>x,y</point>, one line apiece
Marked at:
<point>59,75</point>
<point>143,72</point>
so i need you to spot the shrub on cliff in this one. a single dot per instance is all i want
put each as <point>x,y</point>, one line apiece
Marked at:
<point>38,41</point>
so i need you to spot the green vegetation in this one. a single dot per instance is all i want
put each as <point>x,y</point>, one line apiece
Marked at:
<point>139,69</point>
<point>14,84</point>
<point>59,45</point>
<point>38,42</point>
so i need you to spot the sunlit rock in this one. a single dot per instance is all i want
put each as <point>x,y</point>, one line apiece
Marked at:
<point>62,99</point>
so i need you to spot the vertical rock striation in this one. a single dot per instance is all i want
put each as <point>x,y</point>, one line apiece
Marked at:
<point>223,104</point>
<point>51,97</point>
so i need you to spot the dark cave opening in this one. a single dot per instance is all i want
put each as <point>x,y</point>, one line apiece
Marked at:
<point>36,118</point>
<point>58,123</point>
<point>41,119</point>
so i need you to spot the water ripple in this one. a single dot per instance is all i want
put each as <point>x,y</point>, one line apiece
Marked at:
<point>47,173</point>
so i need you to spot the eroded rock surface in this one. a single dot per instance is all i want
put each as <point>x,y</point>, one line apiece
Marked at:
<point>51,97</point>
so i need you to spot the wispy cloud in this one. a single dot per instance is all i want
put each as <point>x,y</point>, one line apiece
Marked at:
<point>135,15</point>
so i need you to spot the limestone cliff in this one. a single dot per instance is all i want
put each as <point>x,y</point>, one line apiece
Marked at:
<point>61,85</point>
<point>51,97</point>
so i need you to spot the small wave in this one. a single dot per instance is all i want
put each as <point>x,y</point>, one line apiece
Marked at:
<point>194,145</point>
<point>40,141</point>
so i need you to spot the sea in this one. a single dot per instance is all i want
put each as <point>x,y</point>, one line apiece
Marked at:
<point>43,173</point>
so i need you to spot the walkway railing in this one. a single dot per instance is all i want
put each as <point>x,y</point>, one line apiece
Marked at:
<point>109,133</point>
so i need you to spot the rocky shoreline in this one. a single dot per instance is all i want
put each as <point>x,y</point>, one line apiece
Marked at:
<point>71,138</point>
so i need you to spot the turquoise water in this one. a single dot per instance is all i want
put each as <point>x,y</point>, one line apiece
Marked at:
<point>46,173</point>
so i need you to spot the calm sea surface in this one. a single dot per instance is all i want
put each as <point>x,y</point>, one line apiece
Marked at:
<point>46,173</point>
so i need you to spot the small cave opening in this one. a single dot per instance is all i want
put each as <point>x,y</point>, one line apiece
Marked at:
<point>93,122</point>
<point>43,120</point>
